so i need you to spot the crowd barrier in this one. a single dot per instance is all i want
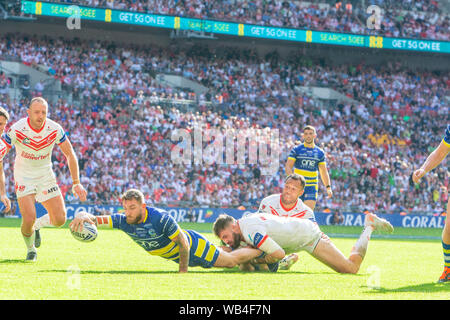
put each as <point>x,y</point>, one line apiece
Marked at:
<point>209,215</point>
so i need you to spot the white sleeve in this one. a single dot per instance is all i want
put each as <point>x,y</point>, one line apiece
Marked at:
<point>263,207</point>
<point>3,150</point>
<point>268,245</point>
<point>9,138</point>
<point>61,135</point>
<point>256,236</point>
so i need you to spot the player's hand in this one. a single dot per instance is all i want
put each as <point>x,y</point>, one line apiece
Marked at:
<point>329,193</point>
<point>79,191</point>
<point>417,175</point>
<point>78,221</point>
<point>6,202</point>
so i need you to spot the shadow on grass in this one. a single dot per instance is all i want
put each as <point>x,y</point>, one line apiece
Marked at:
<point>423,287</point>
<point>6,261</point>
<point>205,271</point>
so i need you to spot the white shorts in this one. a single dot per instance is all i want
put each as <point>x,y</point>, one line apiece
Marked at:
<point>313,244</point>
<point>44,187</point>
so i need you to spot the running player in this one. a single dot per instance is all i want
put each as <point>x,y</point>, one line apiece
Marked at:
<point>307,160</point>
<point>433,160</point>
<point>4,117</point>
<point>34,138</point>
<point>278,236</point>
<point>159,234</point>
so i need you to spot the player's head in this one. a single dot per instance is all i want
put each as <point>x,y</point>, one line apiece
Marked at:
<point>37,111</point>
<point>227,230</point>
<point>133,203</point>
<point>294,186</point>
<point>309,134</point>
<point>4,117</point>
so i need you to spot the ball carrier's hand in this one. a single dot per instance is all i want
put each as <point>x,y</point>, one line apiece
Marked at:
<point>78,221</point>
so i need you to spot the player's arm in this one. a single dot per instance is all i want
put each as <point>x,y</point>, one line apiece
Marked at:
<point>183,245</point>
<point>72,161</point>
<point>433,160</point>
<point>325,177</point>
<point>99,221</point>
<point>289,166</point>
<point>3,196</point>
<point>173,231</point>
<point>273,251</point>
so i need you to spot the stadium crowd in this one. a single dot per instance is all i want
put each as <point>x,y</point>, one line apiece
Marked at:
<point>427,19</point>
<point>123,136</point>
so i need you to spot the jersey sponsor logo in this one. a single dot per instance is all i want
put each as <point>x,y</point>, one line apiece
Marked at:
<point>308,163</point>
<point>30,156</point>
<point>147,245</point>
<point>45,192</point>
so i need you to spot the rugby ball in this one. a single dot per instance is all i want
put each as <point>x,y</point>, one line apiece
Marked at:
<point>88,234</point>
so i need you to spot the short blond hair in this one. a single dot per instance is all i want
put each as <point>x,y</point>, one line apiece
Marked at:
<point>40,100</point>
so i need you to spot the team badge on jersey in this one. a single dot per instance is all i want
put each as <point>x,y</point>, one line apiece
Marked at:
<point>258,239</point>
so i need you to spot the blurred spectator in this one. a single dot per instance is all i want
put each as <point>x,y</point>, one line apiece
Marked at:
<point>415,19</point>
<point>337,218</point>
<point>122,120</point>
<point>26,89</point>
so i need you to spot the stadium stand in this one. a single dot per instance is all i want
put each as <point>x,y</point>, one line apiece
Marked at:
<point>120,118</point>
<point>426,19</point>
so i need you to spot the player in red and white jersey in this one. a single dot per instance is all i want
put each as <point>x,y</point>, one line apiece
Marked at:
<point>278,236</point>
<point>34,138</point>
<point>287,203</point>
<point>4,117</point>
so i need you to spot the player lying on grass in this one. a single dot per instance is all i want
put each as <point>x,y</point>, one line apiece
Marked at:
<point>159,234</point>
<point>284,204</point>
<point>278,236</point>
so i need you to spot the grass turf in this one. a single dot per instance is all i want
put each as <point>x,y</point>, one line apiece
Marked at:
<point>114,267</point>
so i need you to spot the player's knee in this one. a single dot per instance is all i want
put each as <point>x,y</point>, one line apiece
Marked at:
<point>28,221</point>
<point>350,268</point>
<point>58,221</point>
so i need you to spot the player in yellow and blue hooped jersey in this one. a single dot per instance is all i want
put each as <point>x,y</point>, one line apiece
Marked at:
<point>309,160</point>
<point>433,160</point>
<point>159,234</point>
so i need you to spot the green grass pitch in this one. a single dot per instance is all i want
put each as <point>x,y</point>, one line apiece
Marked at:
<point>113,267</point>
